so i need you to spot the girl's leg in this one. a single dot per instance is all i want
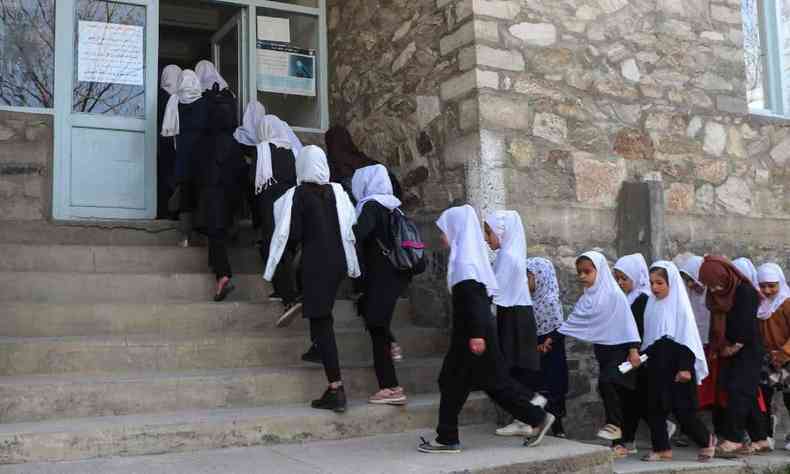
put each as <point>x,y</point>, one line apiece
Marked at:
<point>323,334</point>
<point>382,359</point>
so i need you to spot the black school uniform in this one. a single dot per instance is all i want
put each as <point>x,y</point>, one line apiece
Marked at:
<point>741,376</point>
<point>381,285</point>
<point>463,371</point>
<point>665,396</point>
<point>219,172</point>
<point>165,161</point>
<point>315,228</point>
<point>613,386</point>
<point>634,406</point>
<point>193,123</point>
<point>518,341</point>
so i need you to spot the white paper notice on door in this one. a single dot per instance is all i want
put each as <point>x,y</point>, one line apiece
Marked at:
<point>110,53</point>
<point>286,70</point>
<point>274,29</point>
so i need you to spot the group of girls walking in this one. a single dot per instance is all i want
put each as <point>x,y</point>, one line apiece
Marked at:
<point>707,333</point>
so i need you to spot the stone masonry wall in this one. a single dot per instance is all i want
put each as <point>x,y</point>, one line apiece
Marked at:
<point>570,98</point>
<point>25,166</point>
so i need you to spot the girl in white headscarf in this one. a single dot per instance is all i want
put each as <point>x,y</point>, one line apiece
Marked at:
<point>774,316</point>
<point>208,75</point>
<point>381,283</point>
<point>473,361</point>
<point>676,366</point>
<point>318,217</point>
<point>518,338</point>
<point>633,277</point>
<point>264,137</point>
<point>603,317</point>
<point>185,117</point>
<point>166,151</point>
<point>748,269</point>
<point>549,316</point>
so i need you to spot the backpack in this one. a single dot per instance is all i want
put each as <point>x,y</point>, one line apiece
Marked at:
<point>408,249</point>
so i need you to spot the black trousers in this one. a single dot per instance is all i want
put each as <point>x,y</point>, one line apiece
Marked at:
<point>322,332</point>
<point>218,253</point>
<point>685,414</point>
<point>382,357</point>
<point>613,396</point>
<point>286,280</point>
<point>768,395</point>
<point>508,394</point>
<point>635,408</point>
<point>744,416</point>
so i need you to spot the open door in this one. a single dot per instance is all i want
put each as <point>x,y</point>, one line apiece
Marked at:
<point>228,51</point>
<point>106,107</point>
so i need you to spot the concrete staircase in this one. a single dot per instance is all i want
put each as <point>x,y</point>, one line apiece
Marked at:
<point>110,347</point>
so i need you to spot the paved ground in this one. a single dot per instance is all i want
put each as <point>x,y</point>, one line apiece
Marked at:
<point>685,462</point>
<point>390,454</point>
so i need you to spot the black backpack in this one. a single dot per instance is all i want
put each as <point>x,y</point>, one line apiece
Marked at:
<point>408,249</point>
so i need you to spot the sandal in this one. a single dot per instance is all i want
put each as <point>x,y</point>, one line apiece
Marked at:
<point>619,452</point>
<point>707,454</point>
<point>610,432</point>
<point>655,457</point>
<point>722,453</point>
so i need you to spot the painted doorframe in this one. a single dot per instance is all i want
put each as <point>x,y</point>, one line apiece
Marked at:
<point>65,64</point>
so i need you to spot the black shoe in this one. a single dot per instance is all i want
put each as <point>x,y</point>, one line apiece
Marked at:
<point>333,399</point>
<point>557,430</point>
<point>312,355</point>
<point>541,431</point>
<point>291,312</point>
<point>435,447</point>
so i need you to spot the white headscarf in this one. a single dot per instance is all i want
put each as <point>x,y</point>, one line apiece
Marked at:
<point>208,75</point>
<point>772,273</point>
<point>748,269</point>
<point>247,133</point>
<point>372,183</point>
<point>311,167</point>
<point>602,315</point>
<point>188,92</point>
<point>635,268</point>
<point>169,80</point>
<point>672,317</point>
<point>468,253</point>
<point>690,265</point>
<point>546,298</point>
<point>510,266</point>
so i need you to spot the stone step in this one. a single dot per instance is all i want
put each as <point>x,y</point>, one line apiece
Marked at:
<point>99,319</point>
<point>186,431</point>
<point>382,454</point>
<point>120,259</point>
<point>113,232</point>
<point>124,288</point>
<point>95,354</point>
<point>43,397</point>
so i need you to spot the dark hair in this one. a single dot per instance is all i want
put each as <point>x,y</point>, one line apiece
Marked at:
<point>324,191</point>
<point>584,258</point>
<point>662,272</point>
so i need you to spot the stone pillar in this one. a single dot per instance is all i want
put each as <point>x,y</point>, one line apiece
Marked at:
<point>640,220</point>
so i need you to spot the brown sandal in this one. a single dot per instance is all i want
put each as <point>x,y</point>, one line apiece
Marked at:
<point>655,457</point>
<point>619,452</point>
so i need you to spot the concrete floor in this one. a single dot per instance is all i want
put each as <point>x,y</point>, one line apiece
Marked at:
<point>390,454</point>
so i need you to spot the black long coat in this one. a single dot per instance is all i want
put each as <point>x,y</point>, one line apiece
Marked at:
<point>316,228</point>
<point>165,160</point>
<point>284,172</point>
<point>382,284</point>
<point>742,375</point>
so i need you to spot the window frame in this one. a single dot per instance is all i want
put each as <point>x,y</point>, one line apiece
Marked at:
<point>251,65</point>
<point>43,110</point>
<point>775,85</point>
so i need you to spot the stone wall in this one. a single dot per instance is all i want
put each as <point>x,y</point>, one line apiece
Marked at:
<point>25,166</point>
<point>571,98</point>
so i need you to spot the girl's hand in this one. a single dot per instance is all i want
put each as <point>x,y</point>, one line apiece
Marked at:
<point>684,376</point>
<point>633,358</point>
<point>546,346</point>
<point>477,346</point>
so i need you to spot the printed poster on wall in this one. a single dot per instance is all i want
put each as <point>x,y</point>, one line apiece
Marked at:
<point>110,53</point>
<point>285,69</point>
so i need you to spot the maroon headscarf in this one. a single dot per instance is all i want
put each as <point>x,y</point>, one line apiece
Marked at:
<point>343,155</point>
<point>718,272</point>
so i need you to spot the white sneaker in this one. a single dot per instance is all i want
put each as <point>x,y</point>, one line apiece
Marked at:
<point>771,442</point>
<point>517,428</point>
<point>631,448</point>
<point>539,401</point>
<point>671,429</point>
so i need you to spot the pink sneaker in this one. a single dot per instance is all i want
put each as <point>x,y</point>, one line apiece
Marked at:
<point>389,396</point>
